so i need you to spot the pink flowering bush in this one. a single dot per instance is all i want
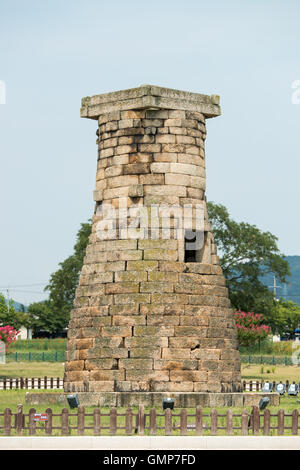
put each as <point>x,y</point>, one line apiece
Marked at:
<point>8,335</point>
<point>250,328</point>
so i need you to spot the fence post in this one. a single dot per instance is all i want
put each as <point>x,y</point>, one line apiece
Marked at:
<point>19,419</point>
<point>199,424</point>
<point>7,421</point>
<point>214,422</point>
<point>267,423</point>
<point>280,426</point>
<point>45,382</point>
<point>183,422</point>
<point>295,415</point>
<point>168,421</point>
<point>80,420</point>
<point>113,421</point>
<point>244,424</point>
<point>141,422</point>
<point>48,423</point>
<point>65,422</point>
<point>229,422</point>
<point>152,419</point>
<point>128,422</point>
<point>32,424</point>
<point>97,423</point>
<point>256,420</point>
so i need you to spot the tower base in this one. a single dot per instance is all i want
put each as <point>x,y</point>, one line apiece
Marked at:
<point>132,399</point>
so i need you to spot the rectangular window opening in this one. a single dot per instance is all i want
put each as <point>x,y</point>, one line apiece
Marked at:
<point>192,254</point>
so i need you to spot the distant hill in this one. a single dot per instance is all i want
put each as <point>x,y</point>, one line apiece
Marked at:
<point>291,290</point>
<point>18,307</point>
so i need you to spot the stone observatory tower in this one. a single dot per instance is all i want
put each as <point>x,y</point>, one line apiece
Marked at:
<point>151,312</point>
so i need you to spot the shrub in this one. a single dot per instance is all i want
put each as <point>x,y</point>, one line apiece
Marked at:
<point>250,328</point>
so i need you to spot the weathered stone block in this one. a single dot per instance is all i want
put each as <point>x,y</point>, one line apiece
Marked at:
<point>74,365</point>
<point>131,299</point>
<point>136,363</point>
<point>124,331</point>
<point>107,375</point>
<point>176,353</point>
<point>156,287</point>
<point>147,375</point>
<point>179,364</point>
<point>101,386</point>
<point>146,342</point>
<point>188,375</point>
<point>120,320</point>
<point>151,352</point>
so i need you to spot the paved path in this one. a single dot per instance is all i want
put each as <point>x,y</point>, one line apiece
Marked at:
<point>151,443</point>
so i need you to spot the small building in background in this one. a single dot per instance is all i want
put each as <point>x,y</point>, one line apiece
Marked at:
<point>25,333</point>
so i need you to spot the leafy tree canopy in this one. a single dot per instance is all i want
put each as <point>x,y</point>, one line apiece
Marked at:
<point>246,254</point>
<point>53,315</point>
<point>9,316</point>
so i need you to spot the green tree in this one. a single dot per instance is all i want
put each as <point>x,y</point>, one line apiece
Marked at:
<point>42,317</point>
<point>53,315</point>
<point>288,317</point>
<point>11,316</point>
<point>246,255</point>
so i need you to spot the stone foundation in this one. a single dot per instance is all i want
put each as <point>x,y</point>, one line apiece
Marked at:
<point>182,400</point>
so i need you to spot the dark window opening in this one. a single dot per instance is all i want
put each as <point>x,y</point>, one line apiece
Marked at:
<point>194,244</point>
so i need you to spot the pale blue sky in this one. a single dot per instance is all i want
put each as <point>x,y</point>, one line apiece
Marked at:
<point>52,53</point>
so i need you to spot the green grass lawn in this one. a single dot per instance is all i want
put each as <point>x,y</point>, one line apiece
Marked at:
<point>271,373</point>
<point>31,369</point>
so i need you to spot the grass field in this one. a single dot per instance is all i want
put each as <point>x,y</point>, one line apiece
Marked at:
<point>266,372</point>
<point>31,369</point>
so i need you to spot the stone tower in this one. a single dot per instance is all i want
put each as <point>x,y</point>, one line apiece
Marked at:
<point>151,312</point>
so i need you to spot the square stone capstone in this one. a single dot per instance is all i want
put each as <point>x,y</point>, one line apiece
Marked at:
<point>149,97</point>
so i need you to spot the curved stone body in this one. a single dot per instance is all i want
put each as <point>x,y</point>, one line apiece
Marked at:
<point>149,313</point>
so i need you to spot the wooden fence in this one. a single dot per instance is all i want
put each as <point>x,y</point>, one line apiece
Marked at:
<point>36,383</point>
<point>151,423</point>
<point>256,385</point>
<point>33,383</point>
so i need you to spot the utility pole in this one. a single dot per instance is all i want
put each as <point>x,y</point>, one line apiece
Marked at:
<point>7,290</point>
<point>275,287</point>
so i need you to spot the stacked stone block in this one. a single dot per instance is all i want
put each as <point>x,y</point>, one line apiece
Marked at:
<point>144,318</point>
